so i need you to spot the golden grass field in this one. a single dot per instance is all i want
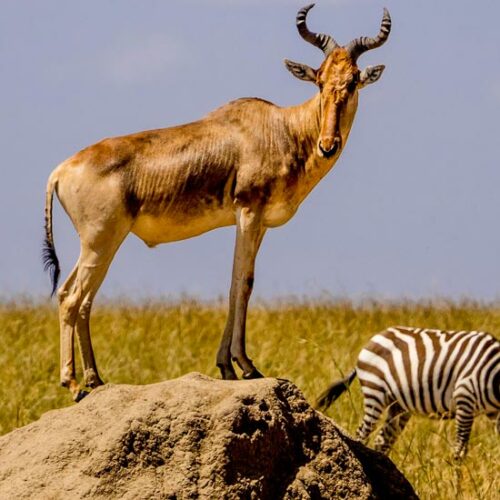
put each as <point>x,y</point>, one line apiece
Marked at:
<point>308,342</point>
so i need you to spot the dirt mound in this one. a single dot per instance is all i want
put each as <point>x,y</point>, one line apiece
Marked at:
<point>193,437</point>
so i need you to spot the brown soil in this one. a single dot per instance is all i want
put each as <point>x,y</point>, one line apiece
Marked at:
<point>193,437</point>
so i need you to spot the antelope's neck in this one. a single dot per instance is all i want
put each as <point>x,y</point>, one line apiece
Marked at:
<point>304,125</point>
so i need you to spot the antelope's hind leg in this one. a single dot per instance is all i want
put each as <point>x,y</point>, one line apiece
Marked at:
<point>75,302</point>
<point>67,319</point>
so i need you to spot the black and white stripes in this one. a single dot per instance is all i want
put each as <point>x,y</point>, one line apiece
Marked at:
<point>431,372</point>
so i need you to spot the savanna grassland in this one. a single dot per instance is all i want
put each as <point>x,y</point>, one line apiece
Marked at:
<point>308,342</point>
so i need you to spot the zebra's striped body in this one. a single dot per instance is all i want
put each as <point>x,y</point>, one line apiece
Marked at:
<point>431,372</point>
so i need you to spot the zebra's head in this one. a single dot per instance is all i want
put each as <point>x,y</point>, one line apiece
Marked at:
<point>338,77</point>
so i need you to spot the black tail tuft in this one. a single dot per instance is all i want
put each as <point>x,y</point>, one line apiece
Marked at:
<point>51,263</point>
<point>334,391</point>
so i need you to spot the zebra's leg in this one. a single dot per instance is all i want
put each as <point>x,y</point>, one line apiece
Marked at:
<point>372,411</point>
<point>464,417</point>
<point>397,418</point>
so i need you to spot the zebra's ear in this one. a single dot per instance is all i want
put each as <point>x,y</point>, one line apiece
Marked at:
<point>370,75</point>
<point>301,71</point>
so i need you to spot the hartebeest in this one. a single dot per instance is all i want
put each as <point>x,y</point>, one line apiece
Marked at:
<point>249,163</point>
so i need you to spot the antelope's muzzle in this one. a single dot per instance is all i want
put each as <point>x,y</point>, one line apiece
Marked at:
<point>329,146</point>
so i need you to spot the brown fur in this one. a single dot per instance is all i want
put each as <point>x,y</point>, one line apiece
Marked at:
<point>249,163</point>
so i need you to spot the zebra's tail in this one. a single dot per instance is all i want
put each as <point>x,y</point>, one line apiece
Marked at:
<point>334,391</point>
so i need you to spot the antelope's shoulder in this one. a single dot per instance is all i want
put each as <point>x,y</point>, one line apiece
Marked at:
<point>251,116</point>
<point>247,104</point>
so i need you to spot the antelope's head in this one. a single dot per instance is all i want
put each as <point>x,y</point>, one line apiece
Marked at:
<point>338,78</point>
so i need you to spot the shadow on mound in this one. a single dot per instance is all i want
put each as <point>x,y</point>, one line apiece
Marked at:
<point>193,437</point>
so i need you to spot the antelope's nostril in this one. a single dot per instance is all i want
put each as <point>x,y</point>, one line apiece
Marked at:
<point>328,150</point>
<point>326,144</point>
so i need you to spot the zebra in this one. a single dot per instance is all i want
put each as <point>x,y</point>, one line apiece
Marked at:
<point>431,372</point>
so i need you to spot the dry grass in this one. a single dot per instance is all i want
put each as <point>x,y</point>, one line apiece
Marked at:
<point>310,343</point>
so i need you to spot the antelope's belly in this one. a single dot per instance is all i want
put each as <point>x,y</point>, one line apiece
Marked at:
<point>156,229</point>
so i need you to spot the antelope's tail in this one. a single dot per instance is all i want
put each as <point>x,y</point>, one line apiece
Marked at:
<point>334,391</point>
<point>49,257</point>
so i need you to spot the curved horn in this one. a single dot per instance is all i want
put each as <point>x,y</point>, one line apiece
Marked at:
<point>324,42</point>
<point>364,43</point>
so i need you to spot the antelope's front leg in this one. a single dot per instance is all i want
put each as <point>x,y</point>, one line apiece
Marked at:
<point>249,234</point>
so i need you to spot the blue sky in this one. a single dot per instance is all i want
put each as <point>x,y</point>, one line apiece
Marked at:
<point>410,210</point>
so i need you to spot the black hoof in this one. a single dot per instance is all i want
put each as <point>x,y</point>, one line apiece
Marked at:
<point>252,374</point>
<point>95,384</point>
<point>80,396</point>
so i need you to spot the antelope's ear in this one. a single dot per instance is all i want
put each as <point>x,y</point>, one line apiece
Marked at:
<point>301,71</point>
<point>370,75</point>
